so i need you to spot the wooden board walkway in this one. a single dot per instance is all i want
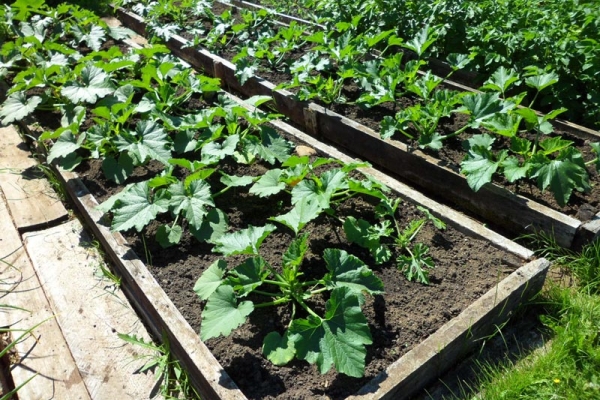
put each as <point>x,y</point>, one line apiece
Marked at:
<point>31,200</point>
<point>49,281</point>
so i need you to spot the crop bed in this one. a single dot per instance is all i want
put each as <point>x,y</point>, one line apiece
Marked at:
<point>567,207</point>
<point>293,260</point>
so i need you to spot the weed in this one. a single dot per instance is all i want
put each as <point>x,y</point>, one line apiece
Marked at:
<point>174,381</point>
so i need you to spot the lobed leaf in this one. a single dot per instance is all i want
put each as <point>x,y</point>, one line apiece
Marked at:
<point>245,241</point>
<point>210,279</point>
<point>339,339</point>
<point>222,314</point>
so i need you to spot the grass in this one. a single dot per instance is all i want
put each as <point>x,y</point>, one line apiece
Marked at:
<point>568,366</point>
<point>173,379</point>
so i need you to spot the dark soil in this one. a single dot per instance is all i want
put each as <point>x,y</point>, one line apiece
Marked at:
<point>582,206</point>
<point>399,320</point>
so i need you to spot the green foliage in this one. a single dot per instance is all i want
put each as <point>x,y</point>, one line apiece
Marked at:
<point>387,235</point>
<point>337,339</point>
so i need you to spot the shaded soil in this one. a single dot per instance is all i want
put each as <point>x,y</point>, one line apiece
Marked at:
<point>400,319</point>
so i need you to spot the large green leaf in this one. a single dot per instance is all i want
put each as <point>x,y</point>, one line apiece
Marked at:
<point>482,106</point>
<point>272,147</point>
<point>95,84</point>
<point>245,241</point>
<point>213,227</point>
<point>210,279</point>
<point>513,170</point>
<point>222,314</point>
<point>191,201</point>
<point>148,141</point>
<point>220,150</point>
<point>322,189</point>
<point>562,175</point>
<point>93,38</point>
<point>66,145</point>
<point>339,339</point>
<point>17,106</point>
<point>501,80</point>
<point>349,271</point>
<point>278,349</point>
<point>480,164</point>
<point>268,184</point>
<point>136,208</point>
<point>248,275</point>
<point>303,212</point>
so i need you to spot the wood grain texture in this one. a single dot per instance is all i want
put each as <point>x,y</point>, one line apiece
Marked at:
<point>44,355</point>
<point>91,312</point>
<point>31,200</point>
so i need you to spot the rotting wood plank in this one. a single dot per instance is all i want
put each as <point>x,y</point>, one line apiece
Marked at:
<point>152,303</point>
<point>91,312</point>
<point>43,356</point>
<point>31,200</point>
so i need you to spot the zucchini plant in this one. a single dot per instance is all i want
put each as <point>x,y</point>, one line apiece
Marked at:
<point>337,337</point>
<point>533,153</point>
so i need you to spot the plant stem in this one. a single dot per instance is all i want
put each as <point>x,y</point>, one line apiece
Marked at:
<point>282,300</point>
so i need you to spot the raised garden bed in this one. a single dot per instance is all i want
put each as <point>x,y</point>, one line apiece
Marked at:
<point>493,203</point>
<point>323,205</point>
<point>419,364</point>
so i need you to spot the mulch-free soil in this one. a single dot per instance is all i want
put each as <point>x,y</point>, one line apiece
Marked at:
<point>582,206</point>
<point>400,319</point>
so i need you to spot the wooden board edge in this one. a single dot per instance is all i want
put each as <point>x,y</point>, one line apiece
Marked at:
<point>522,215</point>
<point>448,344</point>
<point>283,17</point>
<point>454,218</point>
<point>493,203</point>
<point>151,302</point>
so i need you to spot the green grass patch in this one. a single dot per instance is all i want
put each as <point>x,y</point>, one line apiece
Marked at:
<point>568,366</point>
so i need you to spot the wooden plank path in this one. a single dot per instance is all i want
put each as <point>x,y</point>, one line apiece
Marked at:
<point>49,281</point>
<point>31,200</point>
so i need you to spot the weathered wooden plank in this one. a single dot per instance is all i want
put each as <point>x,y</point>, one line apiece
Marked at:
<point>89,314</point>
<point>31,200</point>
<point>150,301</point>
<point>441,350</point>
<point>44,355</point>
<point>506,210</point>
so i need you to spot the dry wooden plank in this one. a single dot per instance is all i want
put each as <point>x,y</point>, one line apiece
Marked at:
<point>511,212</point>
<point>32,201</point>
<point>441,350</point>
<point>506,209</point>
<point>150,301</point>
<point>45,352</point>
<point>89,314</point>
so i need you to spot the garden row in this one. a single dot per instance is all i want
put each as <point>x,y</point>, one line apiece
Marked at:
<point>558,36</point>
<point>295,257</point>
<point>487,136</point>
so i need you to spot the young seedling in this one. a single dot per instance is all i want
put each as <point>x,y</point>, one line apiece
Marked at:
<point>386,236</point>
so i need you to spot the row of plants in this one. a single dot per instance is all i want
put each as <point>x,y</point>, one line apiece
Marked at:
<point>504,138</point>
<point>142,109</point>
<point>559,37</point>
